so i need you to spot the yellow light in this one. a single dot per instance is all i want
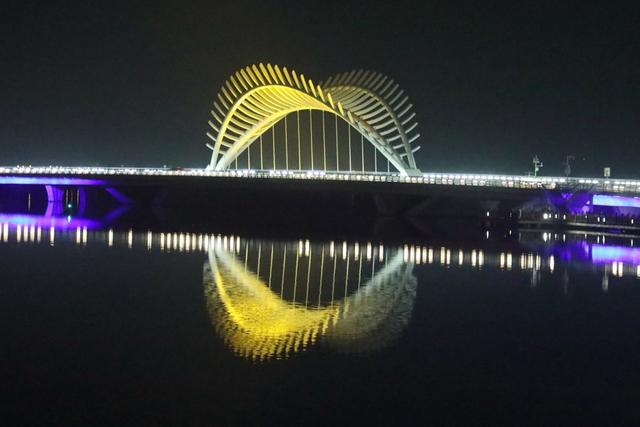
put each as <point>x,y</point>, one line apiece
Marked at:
<point>278,94</point>
<point>257,323</point>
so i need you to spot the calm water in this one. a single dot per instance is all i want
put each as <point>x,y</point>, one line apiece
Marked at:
<point>119,327</point>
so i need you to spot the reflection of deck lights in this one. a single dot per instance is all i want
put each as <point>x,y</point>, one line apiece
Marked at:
<point>601,254</point>
<point>616,201</point>
<point>620,269</point>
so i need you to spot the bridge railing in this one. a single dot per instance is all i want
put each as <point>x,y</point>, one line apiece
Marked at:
<point>432,178</point>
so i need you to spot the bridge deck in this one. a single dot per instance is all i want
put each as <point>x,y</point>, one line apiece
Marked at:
<point>10,175</point>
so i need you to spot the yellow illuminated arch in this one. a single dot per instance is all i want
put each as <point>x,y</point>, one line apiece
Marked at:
<point>255,98</point>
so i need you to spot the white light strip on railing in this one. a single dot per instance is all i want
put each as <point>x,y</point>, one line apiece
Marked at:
<point>482,180</point>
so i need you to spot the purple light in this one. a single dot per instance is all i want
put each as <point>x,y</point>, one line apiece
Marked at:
<point>58,222</point>
<point>601,254</point>
<point>54,198</point>
<point>48,180</point>
<point>118,195</point>
<point>618,201</point>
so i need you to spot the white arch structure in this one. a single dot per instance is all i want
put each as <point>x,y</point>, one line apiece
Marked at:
<point>255,98</point>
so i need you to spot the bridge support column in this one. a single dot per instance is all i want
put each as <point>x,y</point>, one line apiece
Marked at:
<point>55,197</point>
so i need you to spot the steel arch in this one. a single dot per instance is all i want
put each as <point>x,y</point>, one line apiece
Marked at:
<point>255,98</point>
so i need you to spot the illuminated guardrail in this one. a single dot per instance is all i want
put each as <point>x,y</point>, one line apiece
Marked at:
<point>474,180</point>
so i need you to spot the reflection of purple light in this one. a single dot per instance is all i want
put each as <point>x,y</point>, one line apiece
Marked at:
<point>118,195</point>
<point>619,201</point>
<point>57,222</point>
<point>603,254</point>
<point>570,251</point>
<point>26,180</point>
<point>54,198</point>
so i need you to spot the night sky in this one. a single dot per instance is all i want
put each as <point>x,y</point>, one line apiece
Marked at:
<point>114,83</point>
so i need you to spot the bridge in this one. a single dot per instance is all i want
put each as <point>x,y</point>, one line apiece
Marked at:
<point>278,138</point>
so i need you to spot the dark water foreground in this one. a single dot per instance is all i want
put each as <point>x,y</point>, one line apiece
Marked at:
<point>150,325</point>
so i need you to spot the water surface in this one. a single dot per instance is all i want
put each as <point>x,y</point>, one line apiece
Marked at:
<point>145,326</point>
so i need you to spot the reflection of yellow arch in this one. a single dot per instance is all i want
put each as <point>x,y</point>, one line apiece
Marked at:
<point>257,97</point>
<point>256,323</point>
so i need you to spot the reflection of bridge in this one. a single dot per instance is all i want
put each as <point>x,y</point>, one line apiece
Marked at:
<point>271,299</point>
<point>352,296</point>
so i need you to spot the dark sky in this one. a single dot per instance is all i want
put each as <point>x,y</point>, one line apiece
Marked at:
<point>124,83</point>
